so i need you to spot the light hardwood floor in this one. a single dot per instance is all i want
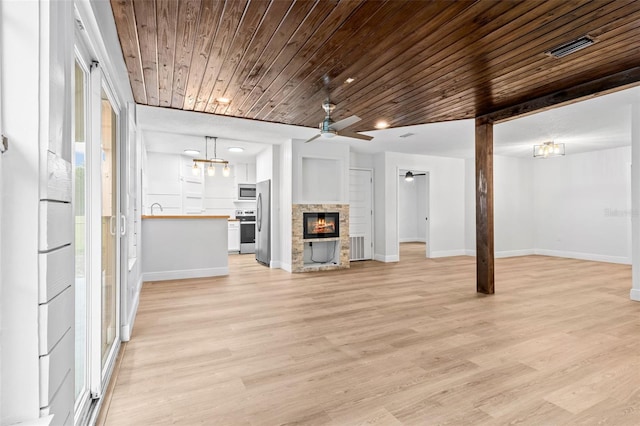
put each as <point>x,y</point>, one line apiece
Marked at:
<point>387,344</point>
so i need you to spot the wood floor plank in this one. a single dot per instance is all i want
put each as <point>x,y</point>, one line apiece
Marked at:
<point>387,344</point>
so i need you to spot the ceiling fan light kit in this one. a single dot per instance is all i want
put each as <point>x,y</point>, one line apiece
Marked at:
<point>329,128</point>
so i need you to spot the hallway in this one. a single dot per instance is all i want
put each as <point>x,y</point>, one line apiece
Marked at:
<point>404,343</point>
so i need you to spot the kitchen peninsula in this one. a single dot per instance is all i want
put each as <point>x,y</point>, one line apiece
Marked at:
<point>184,246</point>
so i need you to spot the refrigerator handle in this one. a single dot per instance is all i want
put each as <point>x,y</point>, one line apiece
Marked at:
<point>259,212</point>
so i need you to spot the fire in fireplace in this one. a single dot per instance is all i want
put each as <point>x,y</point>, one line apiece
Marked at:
<point>321,225</point>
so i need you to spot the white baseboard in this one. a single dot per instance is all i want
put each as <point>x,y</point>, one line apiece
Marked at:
<point>513,253</point>
<point>584,256</point>
<point>386,259</point>
<point>127,329</point>
<point>635,294</point>
<point>558,253</point>
<point>274,264</point>
<point>186,273</point>
<point>286,266</point>
<point>412,240</point>
<point>506,253</point>
<point>448,253</point>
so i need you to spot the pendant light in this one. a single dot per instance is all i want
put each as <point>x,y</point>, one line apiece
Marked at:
<point>211,171</point>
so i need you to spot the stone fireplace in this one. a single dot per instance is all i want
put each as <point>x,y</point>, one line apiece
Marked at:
<point>320,237</point>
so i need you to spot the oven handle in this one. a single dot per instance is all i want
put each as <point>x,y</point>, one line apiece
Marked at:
<point>247,223</point>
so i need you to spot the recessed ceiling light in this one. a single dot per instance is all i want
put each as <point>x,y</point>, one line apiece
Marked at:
<point>381,125</point>
<point>223,101</point>
<point>192,152</point>
<point>235,149</point>
<point>350,80</point>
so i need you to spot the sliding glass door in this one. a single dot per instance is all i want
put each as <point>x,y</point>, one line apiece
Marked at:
<point>97,230</point>
<point>110,228</point>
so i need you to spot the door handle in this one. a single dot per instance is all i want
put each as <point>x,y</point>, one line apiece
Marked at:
<point>123,225</point>
<point>112,225</point>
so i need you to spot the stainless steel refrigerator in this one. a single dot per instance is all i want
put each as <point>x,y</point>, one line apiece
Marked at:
<point>263,222</point>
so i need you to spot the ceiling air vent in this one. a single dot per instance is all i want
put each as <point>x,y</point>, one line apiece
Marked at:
<point>571,47</point>
<point>406,135</point>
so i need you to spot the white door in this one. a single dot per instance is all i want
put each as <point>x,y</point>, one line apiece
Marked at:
<point>361,214</point>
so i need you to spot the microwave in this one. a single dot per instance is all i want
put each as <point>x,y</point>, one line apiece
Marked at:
<point>246,191</point>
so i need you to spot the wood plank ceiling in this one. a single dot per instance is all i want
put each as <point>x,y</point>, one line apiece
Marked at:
<point>412,62</point>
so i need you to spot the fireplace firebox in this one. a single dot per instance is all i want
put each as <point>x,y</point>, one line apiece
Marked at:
<point>321,225</point>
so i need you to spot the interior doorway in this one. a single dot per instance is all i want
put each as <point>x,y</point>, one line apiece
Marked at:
<point>413,209</point>
<point>360,214</point>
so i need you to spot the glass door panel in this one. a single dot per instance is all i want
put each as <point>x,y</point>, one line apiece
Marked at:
<point>109,227</point>
<point>80,243</point>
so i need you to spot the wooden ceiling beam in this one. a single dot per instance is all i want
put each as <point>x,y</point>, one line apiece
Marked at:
<point>601,86</point>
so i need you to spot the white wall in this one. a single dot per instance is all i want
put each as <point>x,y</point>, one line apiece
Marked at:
<point>575,206</point>
<point>358,160</point>
<point>513,206</point>
<point>412,199</point>
<point>635,197</point>
<point>320,172</point>
<point>446,203</point>
<point>284,212</point>
<point>408,210</point>
<point>19,377</point>
<point>36,347</point>
<point>582,205</point>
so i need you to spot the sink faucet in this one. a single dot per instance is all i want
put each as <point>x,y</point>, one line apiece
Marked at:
<point>155,204</point>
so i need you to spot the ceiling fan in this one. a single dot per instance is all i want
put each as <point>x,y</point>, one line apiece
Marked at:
<point>409,176</point>
<point>329,128</point>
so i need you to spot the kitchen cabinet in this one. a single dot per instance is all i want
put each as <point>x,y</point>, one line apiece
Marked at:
<point>234,236</point>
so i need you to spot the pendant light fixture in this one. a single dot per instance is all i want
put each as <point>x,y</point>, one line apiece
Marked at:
<point>211,170</point>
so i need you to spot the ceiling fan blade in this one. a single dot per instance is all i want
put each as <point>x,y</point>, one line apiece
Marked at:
<point>343,124</point>
<point>313,138</point>
<point>355,135</point>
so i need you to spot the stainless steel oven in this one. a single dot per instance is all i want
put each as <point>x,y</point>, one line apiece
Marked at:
<point>246,191</point>
<point>247,219</point>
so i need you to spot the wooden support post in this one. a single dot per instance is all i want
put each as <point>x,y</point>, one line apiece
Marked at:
<point>484,206</point>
